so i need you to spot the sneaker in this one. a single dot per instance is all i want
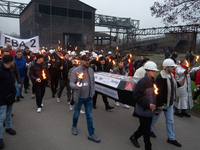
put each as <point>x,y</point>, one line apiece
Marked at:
<point>42,105</point>
<point>109,107</point>
<point>117,104</point>
<point>82,112</point>
<point>152,135</point>
<point>17,99</point>
<point>93,137</point>
<point>74,130</point>
<point>125,106</point>
<point>1,144</point>
<point>25,91</point>
<point>21,96</point>
<point>11,131</point>
<point>71,107</point>
<point>134,141</point>
<point>178,114</point>
<point>58,100</point>
<point>39,110</point>
<point>185,114</point>
<point>174,142</point>
<point>53,95</point>
<point>33,96</point>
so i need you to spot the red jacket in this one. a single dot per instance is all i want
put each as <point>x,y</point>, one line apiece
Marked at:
<point>198,78</point>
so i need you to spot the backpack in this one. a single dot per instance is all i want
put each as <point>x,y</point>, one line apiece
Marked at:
<point>193,75</point>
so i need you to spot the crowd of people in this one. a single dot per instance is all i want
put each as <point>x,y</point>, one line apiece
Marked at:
<point>60,69</point>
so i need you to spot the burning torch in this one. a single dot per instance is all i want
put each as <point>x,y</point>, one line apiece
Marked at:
<point>62,66</point>
<point>80,76</point>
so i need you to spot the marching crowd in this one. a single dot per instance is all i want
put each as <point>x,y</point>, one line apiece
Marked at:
<point>60,69</point>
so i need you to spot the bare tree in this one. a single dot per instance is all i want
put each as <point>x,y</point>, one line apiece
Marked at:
<point>171,10</point>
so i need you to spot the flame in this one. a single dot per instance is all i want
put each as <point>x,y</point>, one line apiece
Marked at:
<point>75,48</point>
<point>39,52</point>
<point>109,60</point>
<point>113,62</point>
<point>129,60</point>
<point>187,64</point>
<point>58,41</point>
<point>61,57</point>
<point>49,57</point>
<point>76,61</point>
<point>131,56</point>
<point>28,57</point>
<point>80,75</point>
<point>0,52</point>
<point>97,59</point>
<point>155,89</point>
<point>61,48</point>
<point>197,58</point>
<point>43,75</point>
<point>117,47</point>
<point>179,61</point>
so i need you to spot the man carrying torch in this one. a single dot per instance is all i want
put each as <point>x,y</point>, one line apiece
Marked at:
<point>145,98</point>
<point>167,86</point>
<point>84,90</point>
<point>40,75</point>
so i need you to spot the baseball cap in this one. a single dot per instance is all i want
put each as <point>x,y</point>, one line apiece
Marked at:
<point>85,57</point>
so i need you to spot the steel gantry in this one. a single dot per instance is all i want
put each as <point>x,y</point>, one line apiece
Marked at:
<point>11,9</point>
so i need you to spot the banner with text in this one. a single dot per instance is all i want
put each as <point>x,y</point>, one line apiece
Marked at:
<point>32,43</point>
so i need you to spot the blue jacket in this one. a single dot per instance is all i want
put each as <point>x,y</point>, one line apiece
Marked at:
<point>21,65</point>
<point>6,83</point>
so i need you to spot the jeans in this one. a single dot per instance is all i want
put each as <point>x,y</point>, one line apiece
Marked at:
<point>169,122</point>
<point>88,111</point>
<point>63,84</point>
<point>5,116</point>
<point>19,90</point>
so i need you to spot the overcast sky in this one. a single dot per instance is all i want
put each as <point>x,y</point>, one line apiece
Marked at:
<point>134,9</point>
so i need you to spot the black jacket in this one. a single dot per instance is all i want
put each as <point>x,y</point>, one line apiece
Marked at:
<point>53,70</point>
<point>144,95</point>
<point>36,71</point>
<point>6,83</point>
<point>105,68</point>
<point>67,65</point>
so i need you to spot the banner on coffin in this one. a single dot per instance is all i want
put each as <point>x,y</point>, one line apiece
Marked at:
<point>32,43</point>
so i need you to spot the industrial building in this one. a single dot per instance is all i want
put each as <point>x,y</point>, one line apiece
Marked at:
<point>65,23</point>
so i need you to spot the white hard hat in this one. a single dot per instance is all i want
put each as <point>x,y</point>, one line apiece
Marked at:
<point>73,53</point>
<point>168,62</point>
<point>150,65</point>
<point>69,52</point>
<point>109,52</point>
<point>51,51</point>
<point>86,51</point>
<point>100,55</point>
<point>94,55</point>
<point>43,51</point>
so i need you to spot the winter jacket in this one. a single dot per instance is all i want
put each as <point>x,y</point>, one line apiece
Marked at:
<point>184,92</point>
<point>197,78</point>
<point>74,79</point>
<point>53,70</point>
<point>140,72</point>
<point>67,65</point>
<point>118,71</point>
<point>164,93</point>
<point>7,86</point>
<point>21,65</point>
<point>36,72</point>
<point>144,95</point>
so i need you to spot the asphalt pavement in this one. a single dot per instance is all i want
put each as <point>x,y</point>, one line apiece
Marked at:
<point>51,129</point>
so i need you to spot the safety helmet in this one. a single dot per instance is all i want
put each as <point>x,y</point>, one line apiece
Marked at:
<point>150,65</point>
<point>73,53</point>
<point>95,55</point>
<point>109,52</point>
<point>168,62</point>
<point>100,55</point>
<point>43,51</point>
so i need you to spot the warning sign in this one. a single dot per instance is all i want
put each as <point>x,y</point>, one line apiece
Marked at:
<point>129,86</point>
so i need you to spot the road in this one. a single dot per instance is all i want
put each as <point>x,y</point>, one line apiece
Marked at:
<point>51,129</point>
